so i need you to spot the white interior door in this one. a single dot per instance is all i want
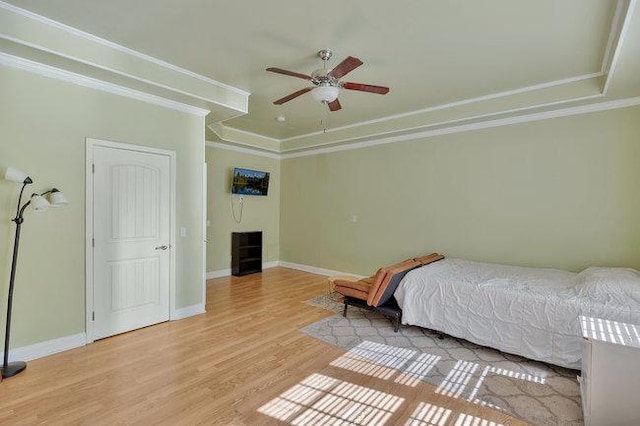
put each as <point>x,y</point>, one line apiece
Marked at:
<point>131,231</point>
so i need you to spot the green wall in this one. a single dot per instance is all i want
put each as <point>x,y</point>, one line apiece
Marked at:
<point>43,126</point>
<point>562,192</point>
<point>258,214</point>
<point>559,193</point>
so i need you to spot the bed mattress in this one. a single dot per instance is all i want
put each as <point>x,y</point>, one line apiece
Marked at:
<point>530,312</point>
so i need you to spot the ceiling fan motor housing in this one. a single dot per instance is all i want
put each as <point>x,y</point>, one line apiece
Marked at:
<point>321,77</point>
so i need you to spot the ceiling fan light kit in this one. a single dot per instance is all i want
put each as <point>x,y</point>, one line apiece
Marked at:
<point>326,83</point>
<point>325,93</point>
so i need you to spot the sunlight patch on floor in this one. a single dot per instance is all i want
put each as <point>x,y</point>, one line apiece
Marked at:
<point>417,370</point>
<point>428,415</point>
<point>375,359</point>
<point>320,399</point>
<point>469,420</point>
<point>457,380</point>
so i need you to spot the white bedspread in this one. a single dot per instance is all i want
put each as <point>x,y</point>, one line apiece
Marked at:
<point>525,311</point>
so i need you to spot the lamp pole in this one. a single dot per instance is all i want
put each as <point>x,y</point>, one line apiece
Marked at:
<point>13,368</point>
<point>38,202</point>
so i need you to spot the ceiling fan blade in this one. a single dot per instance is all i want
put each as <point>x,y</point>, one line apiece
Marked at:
<point>380,90</point>
<point>345,67</point>
<point>334,106</point>
<point>291,73</point>
<point>292,96</point>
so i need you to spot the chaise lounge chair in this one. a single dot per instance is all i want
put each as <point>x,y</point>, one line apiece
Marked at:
<point>376,292</point>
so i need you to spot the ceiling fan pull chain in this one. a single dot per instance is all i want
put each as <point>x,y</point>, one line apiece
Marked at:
<point>323,120</point>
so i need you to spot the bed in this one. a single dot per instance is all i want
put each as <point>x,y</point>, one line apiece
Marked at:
<point>530,312</point>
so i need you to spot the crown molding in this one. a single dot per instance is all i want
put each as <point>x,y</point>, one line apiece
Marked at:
<point>258,141</point>
<point>120,73</point>
<point>219,128</point>
<point>624,28</point>
<point>36,38</point>
<point>452,129</point>
<point>254,135</point>
<point>243,150</point>
<point>613,34</point>
<point>444,124</point>
<point>118,47</point>
<point>565,112</point>
<point>454,104</point>
<point>81,80</point>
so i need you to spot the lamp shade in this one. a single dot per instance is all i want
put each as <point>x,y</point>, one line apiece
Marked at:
<point>57,198</point>
<point>38,202</point>
<point>325,93</point>
<point>15,175</point>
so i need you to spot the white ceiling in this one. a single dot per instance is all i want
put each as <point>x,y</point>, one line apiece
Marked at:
<point>428,52</point>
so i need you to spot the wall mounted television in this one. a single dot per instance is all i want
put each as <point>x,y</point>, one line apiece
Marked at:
<point>249,182</point>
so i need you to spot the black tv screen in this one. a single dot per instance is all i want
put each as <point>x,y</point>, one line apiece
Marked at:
<point>249,182</point>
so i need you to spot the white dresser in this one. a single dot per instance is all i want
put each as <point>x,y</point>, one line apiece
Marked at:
<point>610,382</point>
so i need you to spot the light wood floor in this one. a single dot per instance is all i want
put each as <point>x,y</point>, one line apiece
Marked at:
<point>230,366</point>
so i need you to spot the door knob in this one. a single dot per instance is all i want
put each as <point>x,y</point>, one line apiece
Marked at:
<point>162,247</point>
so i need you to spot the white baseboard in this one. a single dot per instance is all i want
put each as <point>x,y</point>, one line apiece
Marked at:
<point>218,274</point>
<point>227,272</point>
<point>188,311</point>
<point>316,270</point>
<point>61,344</point>
<point>271,264</point>
<point>49,347</point>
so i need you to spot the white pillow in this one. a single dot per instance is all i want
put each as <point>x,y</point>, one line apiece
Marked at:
<point>618,285</point>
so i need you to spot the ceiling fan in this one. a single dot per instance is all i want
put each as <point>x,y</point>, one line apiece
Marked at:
<point>326,83</point>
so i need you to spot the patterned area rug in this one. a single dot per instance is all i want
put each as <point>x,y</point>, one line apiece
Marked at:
<point>539,393</point>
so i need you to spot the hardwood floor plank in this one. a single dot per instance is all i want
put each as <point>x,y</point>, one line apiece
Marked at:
<point>217,368</point>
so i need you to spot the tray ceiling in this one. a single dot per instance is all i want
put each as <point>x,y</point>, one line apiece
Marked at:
<point>429,53</point>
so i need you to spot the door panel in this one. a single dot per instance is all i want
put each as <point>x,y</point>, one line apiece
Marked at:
<point>131,229</point>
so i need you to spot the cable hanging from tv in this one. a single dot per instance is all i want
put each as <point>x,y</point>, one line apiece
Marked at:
<point>247,182</point>
<point>237,219</point>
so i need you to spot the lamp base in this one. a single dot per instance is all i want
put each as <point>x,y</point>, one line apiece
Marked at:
<point>13,368</point>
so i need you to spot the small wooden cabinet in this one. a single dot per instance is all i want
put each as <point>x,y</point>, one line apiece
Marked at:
<point>610,372</point>
<point>246,252</point>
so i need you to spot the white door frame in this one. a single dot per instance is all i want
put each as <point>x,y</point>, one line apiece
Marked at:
<point>205,228</point>
<point>90,144</point>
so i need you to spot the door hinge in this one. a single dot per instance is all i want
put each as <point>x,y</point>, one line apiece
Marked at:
<point>93,168</point>
<point>93,242</point>
<point>93,316</point>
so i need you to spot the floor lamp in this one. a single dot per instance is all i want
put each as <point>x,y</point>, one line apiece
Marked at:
<point>37,202</point>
